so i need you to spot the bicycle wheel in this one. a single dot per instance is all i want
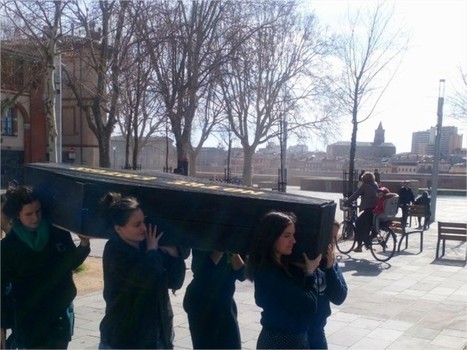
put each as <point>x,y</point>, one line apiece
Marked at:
<point>345,237</point>
<point>383,245</point>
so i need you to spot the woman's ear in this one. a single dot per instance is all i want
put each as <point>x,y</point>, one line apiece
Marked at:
<point>118,229</point>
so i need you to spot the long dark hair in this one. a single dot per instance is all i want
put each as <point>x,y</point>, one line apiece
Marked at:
<point>117,209</point>
<point>269,230</point>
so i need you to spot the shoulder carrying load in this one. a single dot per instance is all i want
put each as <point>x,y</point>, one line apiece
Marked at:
<point>192,213</point>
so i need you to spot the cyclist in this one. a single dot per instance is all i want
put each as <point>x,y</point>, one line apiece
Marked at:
<point>368,192</point>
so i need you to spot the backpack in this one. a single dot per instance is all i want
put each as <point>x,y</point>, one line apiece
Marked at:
<point>390,207</point>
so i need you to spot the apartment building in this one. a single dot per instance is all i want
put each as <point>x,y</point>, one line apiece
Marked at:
<point>423,142</point>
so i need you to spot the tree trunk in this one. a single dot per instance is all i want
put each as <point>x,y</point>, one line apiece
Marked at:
<point>183,151</point>
<point>248,152</point>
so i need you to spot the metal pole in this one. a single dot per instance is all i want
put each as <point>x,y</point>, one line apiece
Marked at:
<point>167,144</point>
<point>436,159</point>
<point>58,104</point>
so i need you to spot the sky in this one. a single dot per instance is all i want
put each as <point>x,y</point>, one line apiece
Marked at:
<point>437,48</point>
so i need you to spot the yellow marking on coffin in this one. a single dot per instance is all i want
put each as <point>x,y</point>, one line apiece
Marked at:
<point>115,173</point>
<point>177,182</point>
<point>215,187</point>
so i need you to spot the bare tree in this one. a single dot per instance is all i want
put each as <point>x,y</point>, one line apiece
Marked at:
<point>274,72</point>
<point>21,71</point>
<point>104,54</point>
<point>40,23</point>
<point>141,111</point>
<point>209,114</point>
<point>458,98</point>
<point>187,42</point>
<point>370,52</point>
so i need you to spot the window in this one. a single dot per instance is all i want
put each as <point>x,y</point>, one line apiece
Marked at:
<point>10,123</point>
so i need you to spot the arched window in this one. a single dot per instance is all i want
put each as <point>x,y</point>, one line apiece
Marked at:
<point>10,123</point>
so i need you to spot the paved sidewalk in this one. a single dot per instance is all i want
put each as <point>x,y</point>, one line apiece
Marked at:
<point>411,302</point>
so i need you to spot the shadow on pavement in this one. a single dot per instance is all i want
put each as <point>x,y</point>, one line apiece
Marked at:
<point>450,262</point>
<point>362,267</point>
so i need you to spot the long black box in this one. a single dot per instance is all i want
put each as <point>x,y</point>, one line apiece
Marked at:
<point>192,213</point>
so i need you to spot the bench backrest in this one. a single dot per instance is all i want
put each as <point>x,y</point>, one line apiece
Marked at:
<point>390,207</point>
<point>417,210</point>
<point>452,230</point>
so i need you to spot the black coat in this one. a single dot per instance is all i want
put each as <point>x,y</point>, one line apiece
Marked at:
<point>138,313</point>
<point>209,303</point>
<point>42,284</point>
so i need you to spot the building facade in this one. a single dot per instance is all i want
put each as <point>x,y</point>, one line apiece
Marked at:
<point>423,142</point>
<point>376,149</point>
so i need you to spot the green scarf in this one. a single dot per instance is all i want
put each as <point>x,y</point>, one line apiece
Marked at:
<point>36,240</point>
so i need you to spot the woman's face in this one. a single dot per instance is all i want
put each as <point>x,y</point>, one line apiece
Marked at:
<point>30,215</point>
<point>284,244</point>
<point>134,231</point>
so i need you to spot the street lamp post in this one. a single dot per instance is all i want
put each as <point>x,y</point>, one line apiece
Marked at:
<point>282,183</point>
<point>434,188</point>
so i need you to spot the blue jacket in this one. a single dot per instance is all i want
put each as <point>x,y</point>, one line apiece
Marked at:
<point>331,288</point>
<point>287,302</point>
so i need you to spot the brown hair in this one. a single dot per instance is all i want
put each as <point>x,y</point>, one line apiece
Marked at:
<point>118,209</point>
<point>368,177</point>
<point>269,230</point>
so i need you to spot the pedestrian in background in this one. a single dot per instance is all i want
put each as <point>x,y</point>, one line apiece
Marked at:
<point>377,176</point>
<point>138,274</point>
<point>209,300</point>
<point>406,197</point>
<point>287,303</point>
<point>37,261</point>
<point>424,200</point>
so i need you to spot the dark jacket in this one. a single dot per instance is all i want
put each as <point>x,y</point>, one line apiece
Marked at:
<point>287,303</point>
<point>41,284</point>
<point>138,313</point>
<point>209,302</point>
<point>426,201</point>
<point>369,194</point>
<point>406,196</point>
<point>331,288</point>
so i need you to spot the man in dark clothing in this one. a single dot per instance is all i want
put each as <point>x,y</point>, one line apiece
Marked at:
<point>406,197</point>
<point>377,176</point>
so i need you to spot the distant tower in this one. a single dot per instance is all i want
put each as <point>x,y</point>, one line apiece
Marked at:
<point>379,135</point>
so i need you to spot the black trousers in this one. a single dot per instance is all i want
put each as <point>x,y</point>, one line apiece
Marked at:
<point>363,226</point>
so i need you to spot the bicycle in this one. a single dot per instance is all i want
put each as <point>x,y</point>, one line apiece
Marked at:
<point>381,244</point>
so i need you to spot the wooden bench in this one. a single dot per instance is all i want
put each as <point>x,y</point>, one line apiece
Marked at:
<point>450,231</point>
<point>416,211</point>
<point>404,233</point>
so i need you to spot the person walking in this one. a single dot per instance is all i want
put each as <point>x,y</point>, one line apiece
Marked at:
<point>286,302</point>
<point>209,300</point>
<point>37,262</point>
<point>138,274</point>
<point>368,192</point>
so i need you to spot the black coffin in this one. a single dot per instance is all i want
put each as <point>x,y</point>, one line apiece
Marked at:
<point>192,213</point>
